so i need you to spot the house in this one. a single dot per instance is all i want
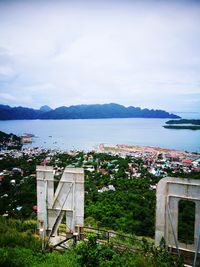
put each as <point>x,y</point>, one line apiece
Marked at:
<point>196,162</point>
<point>17,171</point>
<point>107,188</point>
<point>89,168</point>
<point>187,162</point>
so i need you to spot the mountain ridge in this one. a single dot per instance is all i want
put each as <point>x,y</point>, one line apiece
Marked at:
<point>92,111</point>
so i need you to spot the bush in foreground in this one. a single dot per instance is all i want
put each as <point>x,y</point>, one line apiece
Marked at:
<point>21,248</point>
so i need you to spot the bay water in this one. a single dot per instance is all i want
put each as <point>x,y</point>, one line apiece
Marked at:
<point>89,133</point>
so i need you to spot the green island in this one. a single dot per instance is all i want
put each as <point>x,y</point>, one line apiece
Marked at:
<point>182,127</point>
<point>176,124</point>
<point>184,121</point>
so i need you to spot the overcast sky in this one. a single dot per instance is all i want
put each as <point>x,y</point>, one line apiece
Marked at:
<point>138,53</point>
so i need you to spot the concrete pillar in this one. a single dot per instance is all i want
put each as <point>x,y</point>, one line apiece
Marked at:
<point>172,190</point>
<point>160,212</point>
<point>45,192</point>
<point>197,220</point>
<point>68,200</point>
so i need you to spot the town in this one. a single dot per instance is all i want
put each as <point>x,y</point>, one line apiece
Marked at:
<point>120,184</point>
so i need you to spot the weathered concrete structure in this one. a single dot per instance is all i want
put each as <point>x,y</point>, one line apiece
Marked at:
<point>169,192</point>
<point>68,200</point>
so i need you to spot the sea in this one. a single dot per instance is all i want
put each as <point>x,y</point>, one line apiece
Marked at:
<point>88,134</point>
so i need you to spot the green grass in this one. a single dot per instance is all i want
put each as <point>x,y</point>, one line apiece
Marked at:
<point>19,257</point>
<point>20,247</point>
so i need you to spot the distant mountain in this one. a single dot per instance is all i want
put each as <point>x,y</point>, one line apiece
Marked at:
<point>45,108</point>
<point>18,113</point>
<point>97,111</point>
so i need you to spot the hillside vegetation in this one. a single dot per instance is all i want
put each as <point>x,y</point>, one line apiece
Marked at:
<point>10,141</point>
<point>21,247</point>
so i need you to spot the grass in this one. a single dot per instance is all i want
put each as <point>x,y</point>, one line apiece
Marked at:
<point>21,247</point>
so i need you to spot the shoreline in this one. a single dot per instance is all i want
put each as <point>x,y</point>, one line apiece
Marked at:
<point>141,149</point>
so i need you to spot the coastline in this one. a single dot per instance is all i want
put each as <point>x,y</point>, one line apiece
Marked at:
<point>124,148</point>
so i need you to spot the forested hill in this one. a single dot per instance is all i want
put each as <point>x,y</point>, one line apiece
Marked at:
<point>9,141</point>
<point>97,111</point>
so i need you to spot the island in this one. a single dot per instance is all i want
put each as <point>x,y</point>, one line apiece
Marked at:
<point>182,127</point>
<point>183,124</point>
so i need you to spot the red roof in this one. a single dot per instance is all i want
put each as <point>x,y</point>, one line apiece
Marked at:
<point>103,171</point>
<point>187,161</point>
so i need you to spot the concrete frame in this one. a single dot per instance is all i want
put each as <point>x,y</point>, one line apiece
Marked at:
<point>169,191</point>
<point>68,199</point>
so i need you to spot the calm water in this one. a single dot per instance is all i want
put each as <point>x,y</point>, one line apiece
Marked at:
<point>88,134</point>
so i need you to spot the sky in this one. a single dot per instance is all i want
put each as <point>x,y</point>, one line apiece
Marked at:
<point>135,53</point>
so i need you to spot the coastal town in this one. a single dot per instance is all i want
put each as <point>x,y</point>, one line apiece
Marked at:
<point>18,164</point>
<point>157,161</point>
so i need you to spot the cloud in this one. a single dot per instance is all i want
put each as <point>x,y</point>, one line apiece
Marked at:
<point>7,97</point>
<point>141,53</point>
<point>13,100</point>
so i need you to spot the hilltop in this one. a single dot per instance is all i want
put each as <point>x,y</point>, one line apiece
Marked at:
<point>94,111</point>
<point>9,141</point>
